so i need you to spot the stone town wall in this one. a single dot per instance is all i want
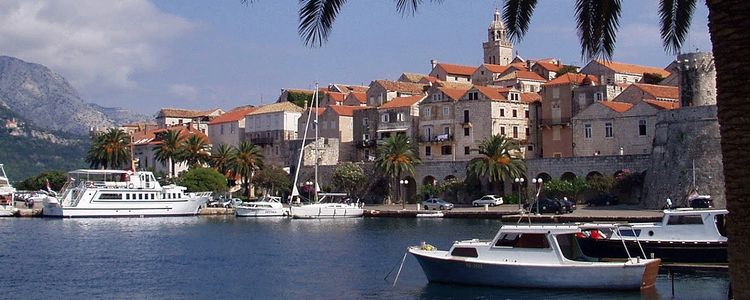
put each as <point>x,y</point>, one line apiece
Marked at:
<point>685,136</point>
<point>582,166</point>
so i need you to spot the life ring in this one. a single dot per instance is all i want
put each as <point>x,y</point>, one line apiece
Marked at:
<point>130,185</point>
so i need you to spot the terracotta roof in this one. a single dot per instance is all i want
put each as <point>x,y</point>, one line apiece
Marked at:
<point>184,113</point>
<point>347,88</point>
<point>457,69</point>
<point>659,91</point>
<point>406,87</point>
<point>429,79</point>
<point>663,104</point>
<point>412,77</point>
<point>493,93</point>
<point>403,101</point>
<point>495,68</point>
<point>232,116</point>
<point>531,97</point>
<point>575,78</point>
<point>338,97</point>
<point>277,107</point>
<point>359,96</point>
<point>519,66</point>
<point>454,93</point>
<point>619,107</point>
<point>453,85</point>
<point>344,110</point>
<point>149,136</point>
<point>632,69</point>
<point>548,66</point>
<point>525,75</point>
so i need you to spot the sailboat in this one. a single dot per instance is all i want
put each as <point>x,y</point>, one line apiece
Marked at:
<point>322,205</point>
<point>7,194</point>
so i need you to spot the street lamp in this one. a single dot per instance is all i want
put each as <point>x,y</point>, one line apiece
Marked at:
<point>538,182</point>
<point>403,182</point>
<point>519,181</point>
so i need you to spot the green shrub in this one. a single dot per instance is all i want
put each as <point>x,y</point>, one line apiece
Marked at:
<point>39,182</point>
<point>203,180</point>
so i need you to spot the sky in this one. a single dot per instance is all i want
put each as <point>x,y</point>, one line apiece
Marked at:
<point>143,55</point>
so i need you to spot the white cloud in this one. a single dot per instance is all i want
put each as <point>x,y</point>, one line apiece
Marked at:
<point>184,92</point>
<point>93,43</point>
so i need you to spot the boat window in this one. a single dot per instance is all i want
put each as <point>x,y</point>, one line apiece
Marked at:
<point>523,240</point>
<point>111,196</point>
<point>629,232</point>
<point>721,224</point>
<point>140,196</point>
<point>127,196</point>
<point>684,220</point>
<point>570,248</point>
<point>465,252</point>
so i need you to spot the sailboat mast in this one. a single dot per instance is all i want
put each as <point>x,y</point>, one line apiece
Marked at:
<point>317,125</point>
<point>295,192</point>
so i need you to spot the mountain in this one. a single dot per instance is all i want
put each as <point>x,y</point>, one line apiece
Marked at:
<point>48,101</point>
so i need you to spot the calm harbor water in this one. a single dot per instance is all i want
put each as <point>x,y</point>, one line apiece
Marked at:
<point>227,257</point>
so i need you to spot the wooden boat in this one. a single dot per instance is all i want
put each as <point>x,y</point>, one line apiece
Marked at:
<point>537,256</point>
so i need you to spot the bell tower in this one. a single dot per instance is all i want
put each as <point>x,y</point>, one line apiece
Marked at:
<point>498,49</point>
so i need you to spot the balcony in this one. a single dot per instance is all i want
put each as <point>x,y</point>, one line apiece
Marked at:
<point>260,141</point>
<point>555,122</point>
<point>440,138</point>
<point>365,144</point>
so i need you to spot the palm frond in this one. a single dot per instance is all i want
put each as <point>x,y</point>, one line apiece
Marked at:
<point>517,16</point>
<point>316,19</point>
<point>410,6</point>
<point>675,17</point>
<point>597,24</point>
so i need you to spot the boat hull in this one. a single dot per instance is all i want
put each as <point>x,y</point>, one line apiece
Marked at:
<point>118,209</point>
<point>619,276</point>
<point>678,251</point>
<point>272,212</point>
<point>317,212</point>
<point>7,211</point>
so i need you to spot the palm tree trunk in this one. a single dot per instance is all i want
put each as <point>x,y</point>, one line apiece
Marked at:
<point>732,60</point>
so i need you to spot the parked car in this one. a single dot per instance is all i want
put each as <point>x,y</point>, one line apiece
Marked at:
<point>490,200</point>
<point>437,203</point>
<point>568,205</point>
<point>546,205</point>
<point>603,199</point>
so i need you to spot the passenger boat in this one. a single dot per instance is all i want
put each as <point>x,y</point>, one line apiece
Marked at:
<point>7,195</point>
<point>328,208</point>
<point>536,256</point>
<point>268,206</point>
<point>683,235</point>
<point>116,193</point>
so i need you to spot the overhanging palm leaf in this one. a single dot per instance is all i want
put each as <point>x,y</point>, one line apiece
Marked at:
<point>109,149</point>
<point>675,16</point>
<point>316,20</point>
<point>222,158</point>
<point>597,23</point>
<point>517,15</point>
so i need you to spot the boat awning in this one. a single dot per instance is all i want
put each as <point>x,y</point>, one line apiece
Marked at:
<point>99,172</point>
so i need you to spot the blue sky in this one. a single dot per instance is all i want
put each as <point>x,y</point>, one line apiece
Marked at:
<point>143,55</point>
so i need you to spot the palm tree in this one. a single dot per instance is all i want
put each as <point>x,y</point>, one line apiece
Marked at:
<point>169,149</point>
<point>195,151</point>
<point>501,160</point>
<point>109,149</point>
<point>248,158</point>
<point>597,22</point>
<point>397,156</point>
<point>222,158</point>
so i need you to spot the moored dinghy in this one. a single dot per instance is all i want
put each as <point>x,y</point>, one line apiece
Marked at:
<point>539,256</point>
<point>268,206</point>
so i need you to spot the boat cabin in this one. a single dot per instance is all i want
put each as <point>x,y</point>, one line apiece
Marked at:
<point>682,224</point>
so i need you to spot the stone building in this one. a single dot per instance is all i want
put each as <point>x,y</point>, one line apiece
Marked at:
<point>229,128</point>
<point>146,142</point>
<point>640,91</point>
<point>356,99</point>
<point>498,50</point>
<point>365,133</point>
<point>399,116</point>
<point>271,127</point>
<point>437,123</point>
<point>168,117</point>
<point>382,91</point>
<point>610,72</point>
<point>451,72</point>
<point>522,80</point>
<point>486,74</point>
<point>335,122</point>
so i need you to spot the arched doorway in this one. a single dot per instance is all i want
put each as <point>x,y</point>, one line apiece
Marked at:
<point>410,189</point>
<point>568,176</point>
<point>544,176</point>
<point>429,180</point>
<point>618,173</point>
<point>593,174</point>
<point>449,177</point>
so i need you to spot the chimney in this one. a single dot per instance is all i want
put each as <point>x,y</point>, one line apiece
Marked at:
<point>433,63</point>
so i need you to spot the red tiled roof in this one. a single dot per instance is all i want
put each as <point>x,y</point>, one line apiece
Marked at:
<point>575,78</point>
<point>428,79</point>
<point>548,66</point>
<point>663,104</point>
<point>412,77</point>
<point>457,69</point>
<point>531,97</point>
<point>493,93</point>
<point>521,74</point>
<point>183,113</point>
<point>406,87</point>
<point>344,110</point>
<point>338,97</point>
<point>403,101</point>
<point>519,66</point>
<point>149,136</point>
<point>358,96</point>
<point>277,107</point>
<point>495,68</point>
<point>659,91</point>
<point>632,69</point>
<point>454,93</point>
<point>232,116</point>
<point>619,107</point>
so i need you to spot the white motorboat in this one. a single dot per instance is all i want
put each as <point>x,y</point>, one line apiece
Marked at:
<point>7,195</point>
<point>115,193</point>
<point>683,235</point>
<point>268,206</point>
<point>538,256</point>
<point>328,208</point>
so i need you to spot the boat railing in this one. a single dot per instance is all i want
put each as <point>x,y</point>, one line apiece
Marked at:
<point>202,194</point>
